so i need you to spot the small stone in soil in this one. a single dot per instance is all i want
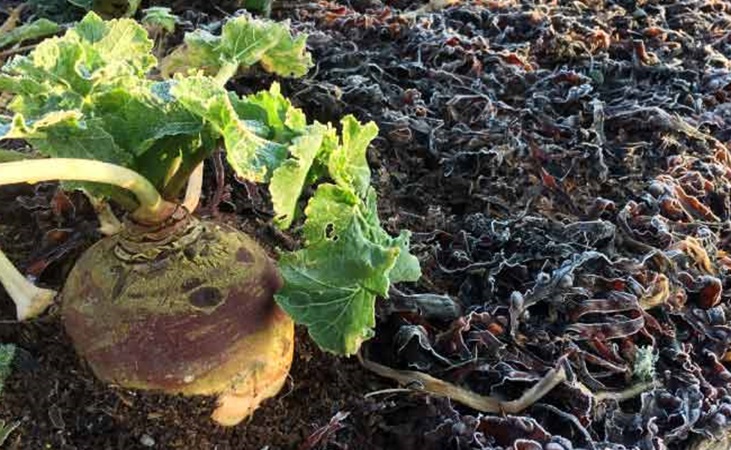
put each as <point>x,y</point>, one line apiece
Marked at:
<point>147,441</point>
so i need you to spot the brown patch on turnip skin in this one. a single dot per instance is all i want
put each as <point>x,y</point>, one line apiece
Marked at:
<point>195,319</point>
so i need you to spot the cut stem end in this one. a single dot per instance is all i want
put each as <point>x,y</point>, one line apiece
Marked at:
<point>30,300</point>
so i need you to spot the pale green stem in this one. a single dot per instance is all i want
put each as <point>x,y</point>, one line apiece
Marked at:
<point>30,301</point>
<point>225,73</point>
<point>37,170</point>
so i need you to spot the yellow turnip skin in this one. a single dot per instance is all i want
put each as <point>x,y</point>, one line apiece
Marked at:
<point>187,307</point>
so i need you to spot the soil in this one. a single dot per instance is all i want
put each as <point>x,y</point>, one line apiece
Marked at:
<point>505,126</point>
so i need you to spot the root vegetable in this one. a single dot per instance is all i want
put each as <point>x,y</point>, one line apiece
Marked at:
<point>186,307</point>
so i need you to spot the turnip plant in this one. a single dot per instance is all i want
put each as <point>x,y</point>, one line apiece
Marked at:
<point>169,301</point>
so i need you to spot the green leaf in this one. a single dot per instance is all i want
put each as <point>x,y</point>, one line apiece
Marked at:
<point>121,45</point>
<point>288,58</point>
<point>288,180</point>
<point>244,41</point>
<point>63,134</point>
<point>34,30</point>
<point>198,53</point>
<point>331,287</point>
<point>160,17</point>
<point>407,267</point>
<point>139,115</point>
<point>19,128</point>
<point>331,211</point>
<point>252,157</point>
<point>273,109</point>
<point>348,164</point>
<point>330,142</point>
<point>62,71</point>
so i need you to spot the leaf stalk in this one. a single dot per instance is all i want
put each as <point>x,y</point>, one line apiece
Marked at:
<point>152,208</point>
<point>225,73</point>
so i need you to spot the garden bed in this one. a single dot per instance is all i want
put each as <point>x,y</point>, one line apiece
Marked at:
<point>564,169</point>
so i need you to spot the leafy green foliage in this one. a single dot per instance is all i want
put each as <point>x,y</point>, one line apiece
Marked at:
<point>348,164</point>
<point>244,42</point>
<point>290,177</point>
<point>34,30</point>
<point>160,17</point>
<point>331,285</point>
<point>252,156</point>
<point>7,354</point>
<point>273,109</point>
<point>87,95</point>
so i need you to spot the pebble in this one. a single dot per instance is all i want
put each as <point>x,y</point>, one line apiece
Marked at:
<point>147,440</point>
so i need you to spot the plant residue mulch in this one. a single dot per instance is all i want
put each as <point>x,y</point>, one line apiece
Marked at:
<point>565,169</point>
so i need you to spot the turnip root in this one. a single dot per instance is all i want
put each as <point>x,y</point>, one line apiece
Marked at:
<point>185,307</point>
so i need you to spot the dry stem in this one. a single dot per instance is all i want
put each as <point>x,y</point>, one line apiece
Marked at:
<point>431,385</point>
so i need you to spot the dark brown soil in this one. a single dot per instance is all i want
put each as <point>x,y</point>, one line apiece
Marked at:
<point>62,406</point>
